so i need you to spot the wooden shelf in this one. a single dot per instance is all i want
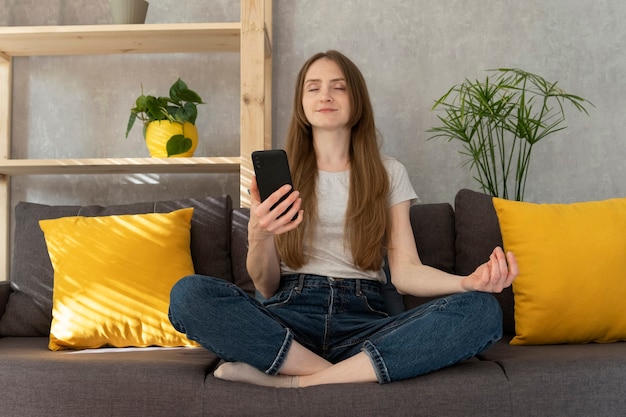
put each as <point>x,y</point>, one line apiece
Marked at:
<point>251,38</point>
<point>194,165</point>
<point>120,39</point>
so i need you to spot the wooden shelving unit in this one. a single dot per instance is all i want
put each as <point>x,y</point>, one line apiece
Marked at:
<point>196,165</point>
<point>251,37</point>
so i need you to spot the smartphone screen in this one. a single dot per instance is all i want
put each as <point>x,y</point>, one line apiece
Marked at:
<point>272,172</point>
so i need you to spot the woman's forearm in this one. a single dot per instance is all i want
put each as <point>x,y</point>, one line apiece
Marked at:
<point>263,265</point>
<point>425,281</point>
<point>493,276</point>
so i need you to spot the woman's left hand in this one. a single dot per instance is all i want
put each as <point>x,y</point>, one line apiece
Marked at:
<point>494,275</point>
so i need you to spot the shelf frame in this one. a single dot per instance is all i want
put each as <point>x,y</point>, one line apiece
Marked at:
<point>21,41</point>
<point>251,37</point>
<point>195,165</point>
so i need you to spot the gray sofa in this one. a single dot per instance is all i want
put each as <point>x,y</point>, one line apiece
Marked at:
<point>558,380</point>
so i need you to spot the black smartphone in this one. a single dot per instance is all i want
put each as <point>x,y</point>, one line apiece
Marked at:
<point>271,168</point>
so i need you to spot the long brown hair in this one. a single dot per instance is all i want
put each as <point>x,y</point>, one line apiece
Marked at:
<point>366,216</point>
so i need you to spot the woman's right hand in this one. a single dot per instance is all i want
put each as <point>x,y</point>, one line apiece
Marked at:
<point>262,261</point>
<point>265,221</point>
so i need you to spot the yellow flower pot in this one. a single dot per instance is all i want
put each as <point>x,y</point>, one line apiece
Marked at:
<point>167,139</point>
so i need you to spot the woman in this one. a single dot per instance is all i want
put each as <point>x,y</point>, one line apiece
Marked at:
<point>322,319</point>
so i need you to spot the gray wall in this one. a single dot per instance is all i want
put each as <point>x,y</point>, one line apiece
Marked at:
<point>410,51</point>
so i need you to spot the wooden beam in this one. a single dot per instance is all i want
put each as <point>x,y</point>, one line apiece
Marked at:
<point>5,152</point>
<point>196,165</point>
<point>120,39</point>
<point>255,42</point>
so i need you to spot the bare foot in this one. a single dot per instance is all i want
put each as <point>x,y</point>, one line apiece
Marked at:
<point>242,372</point>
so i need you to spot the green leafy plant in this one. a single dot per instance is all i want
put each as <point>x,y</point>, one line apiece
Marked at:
<point>179,107</point>
<point>499,121</point>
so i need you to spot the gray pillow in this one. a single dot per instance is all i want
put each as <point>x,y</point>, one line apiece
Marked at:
<point>29,308</point>
<point>477,234</point>
<point>433,230</point>
<point>239,249</point>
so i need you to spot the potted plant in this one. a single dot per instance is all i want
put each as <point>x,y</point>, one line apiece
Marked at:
<point>499,120</point>
<point>169,122</point>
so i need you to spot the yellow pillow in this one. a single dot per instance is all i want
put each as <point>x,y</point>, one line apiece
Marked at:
<point>112,278</point>
<point>572,258</point>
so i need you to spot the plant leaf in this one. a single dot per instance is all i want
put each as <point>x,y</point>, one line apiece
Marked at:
<point>131,122</point>
<point>178,86</point>
<point>178,144</point>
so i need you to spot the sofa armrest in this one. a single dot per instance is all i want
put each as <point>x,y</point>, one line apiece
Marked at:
<point>5,290</point>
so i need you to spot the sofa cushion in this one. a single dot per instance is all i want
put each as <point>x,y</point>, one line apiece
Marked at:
<point>477,234</point>
<point>572,263</point>
<point>470,388</point>
<point>576,380</point>
<point>29,309</point>
<point>24,317</point>
<point>433,230</point>
<point>159,382</point>
<point>113,276</point>
<point>239,249</point>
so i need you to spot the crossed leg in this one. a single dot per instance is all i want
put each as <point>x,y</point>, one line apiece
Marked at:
<point>302,368</point>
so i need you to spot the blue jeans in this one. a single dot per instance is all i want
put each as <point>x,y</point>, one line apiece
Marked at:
<point>336,319</point>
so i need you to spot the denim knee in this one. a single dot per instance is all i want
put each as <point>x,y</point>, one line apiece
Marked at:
<point>186,296</point>
<point>487,316</point>
<point>228,322</point>
<point>179,300</point>
<point>492,312</point>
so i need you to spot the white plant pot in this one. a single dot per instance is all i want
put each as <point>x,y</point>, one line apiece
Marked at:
<point>128,11</point>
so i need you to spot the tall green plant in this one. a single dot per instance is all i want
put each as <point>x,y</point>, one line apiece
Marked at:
<point>499,121</point>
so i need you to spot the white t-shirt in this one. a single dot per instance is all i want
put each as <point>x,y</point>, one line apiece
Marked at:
<point>329,256</point>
